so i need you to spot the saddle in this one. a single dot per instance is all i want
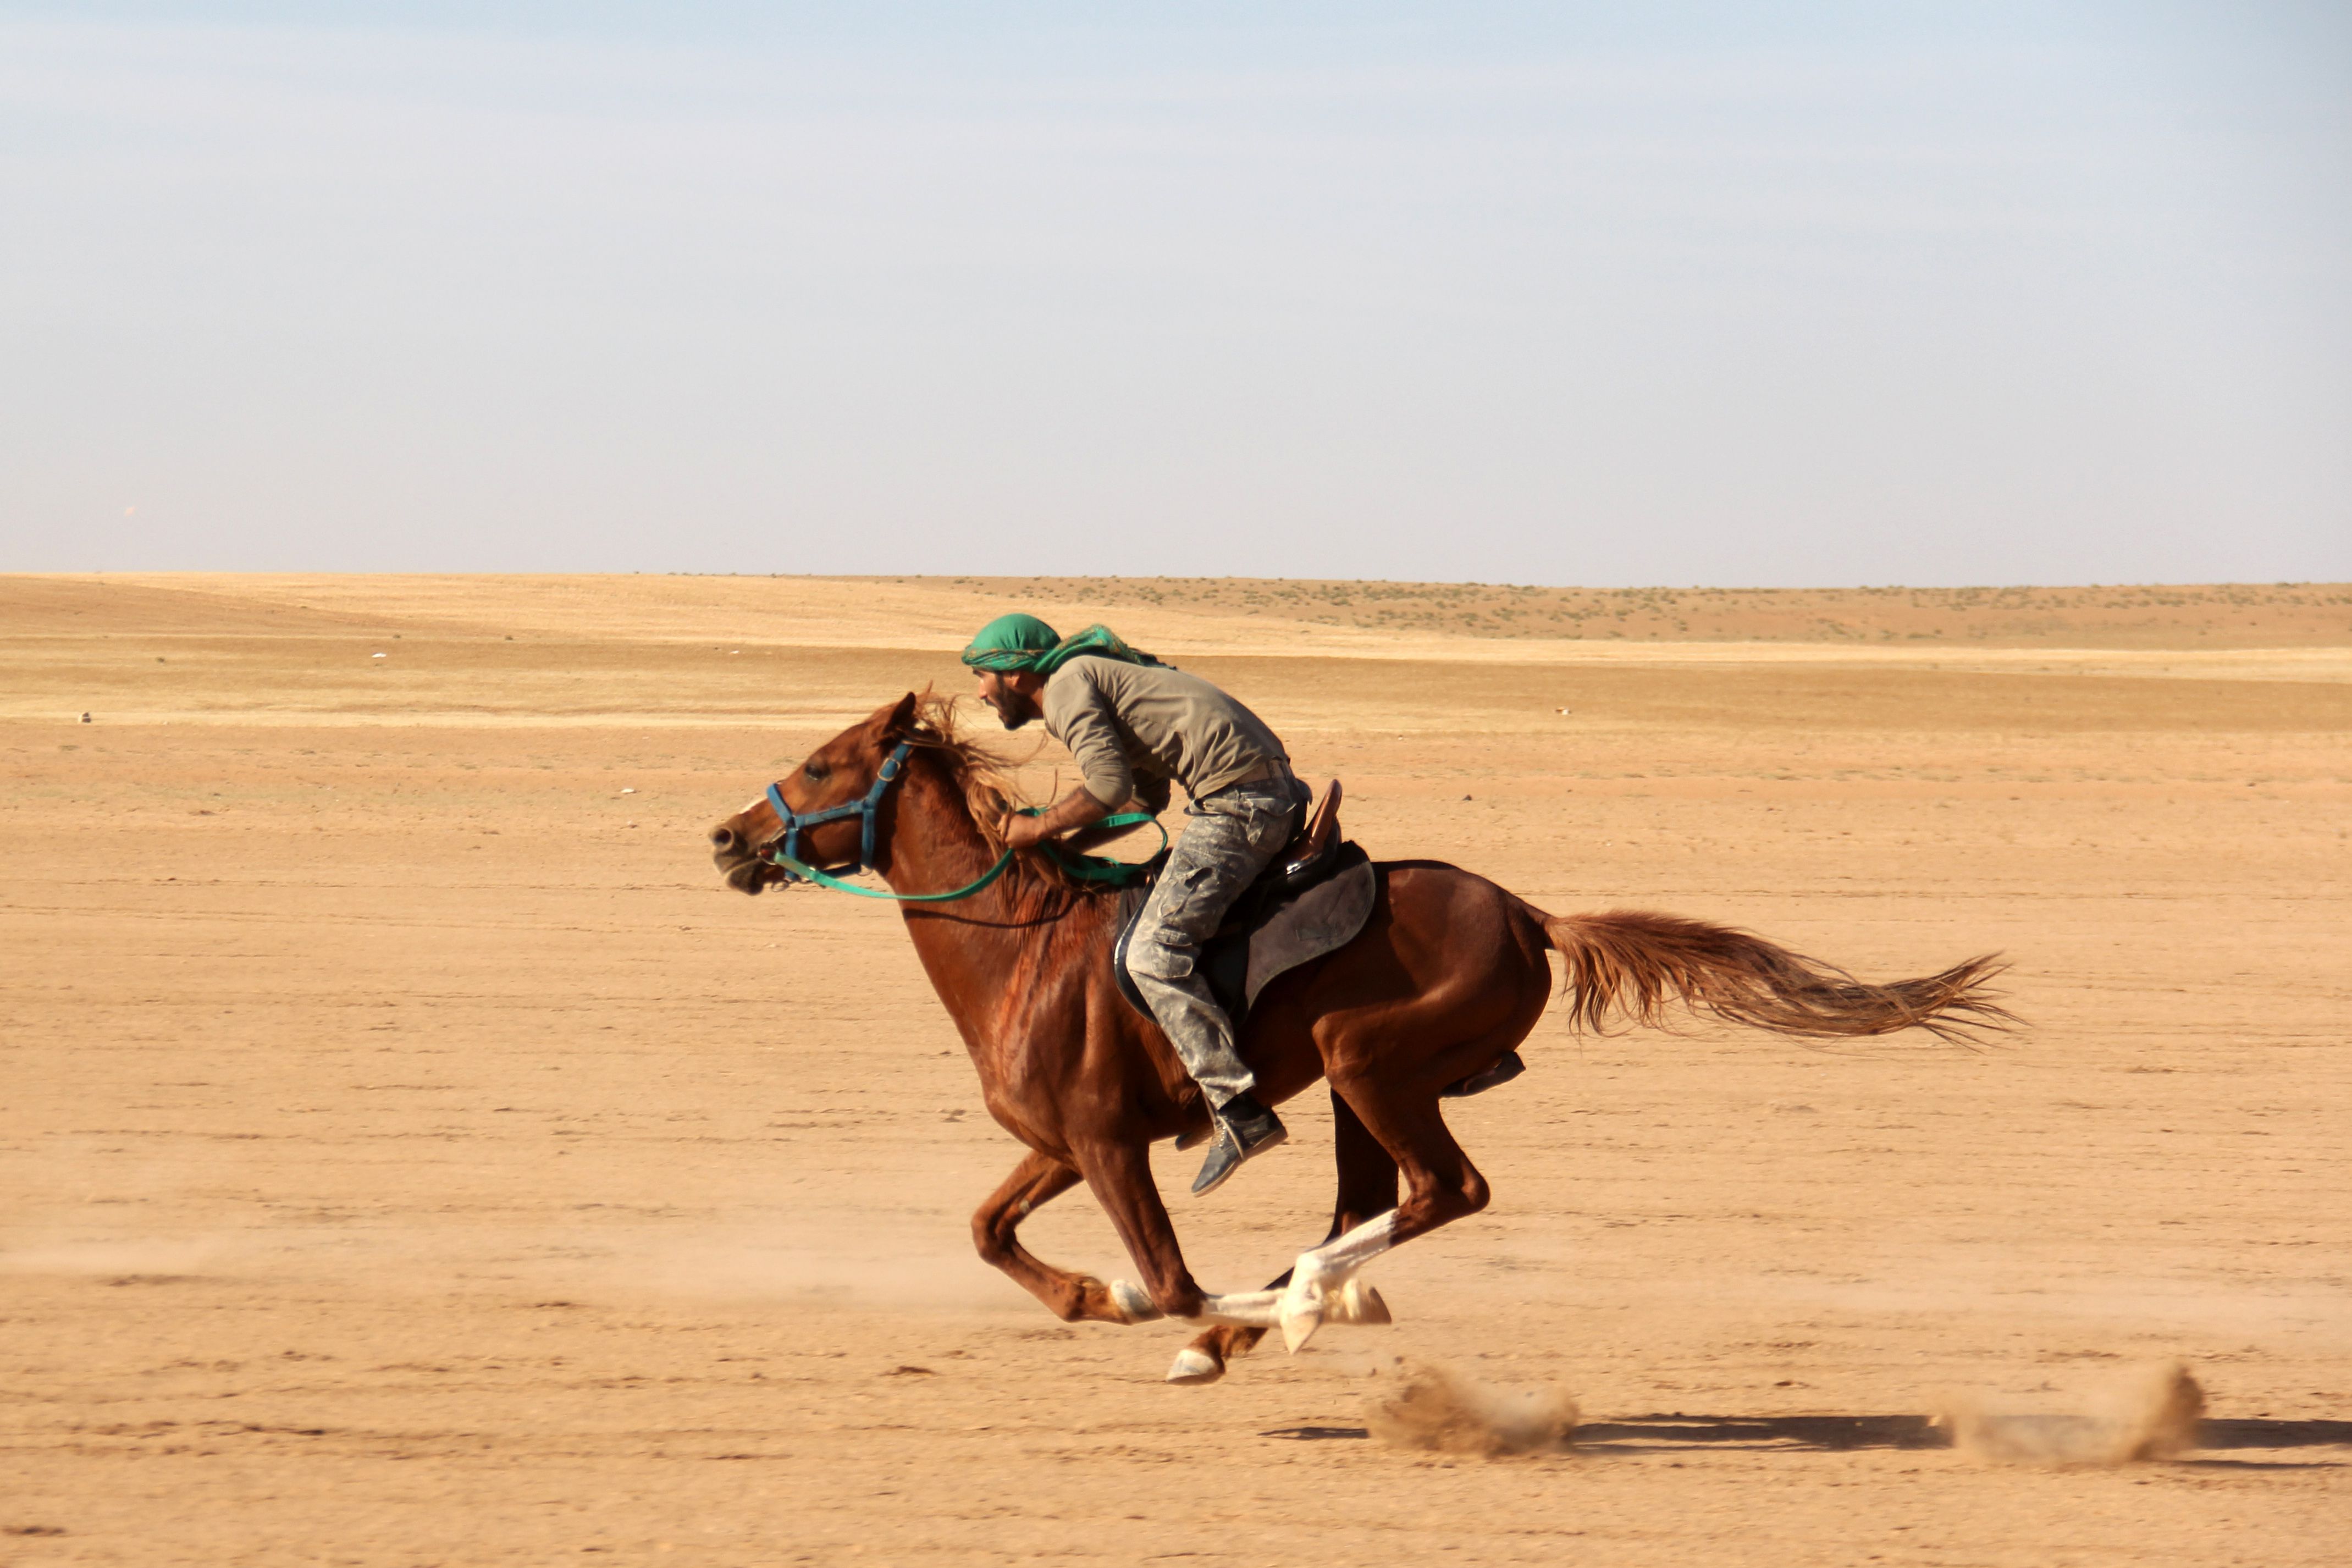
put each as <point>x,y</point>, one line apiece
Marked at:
<point>1312,899</point>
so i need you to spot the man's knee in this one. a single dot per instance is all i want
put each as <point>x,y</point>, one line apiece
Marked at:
<point>1156,955</point>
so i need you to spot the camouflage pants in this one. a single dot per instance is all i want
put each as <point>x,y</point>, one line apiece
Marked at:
<point>1235,833</point>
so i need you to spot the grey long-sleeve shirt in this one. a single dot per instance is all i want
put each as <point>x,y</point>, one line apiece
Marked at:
<point>1133,727</point>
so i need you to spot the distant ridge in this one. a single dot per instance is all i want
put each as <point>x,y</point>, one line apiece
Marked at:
<point>2216,616</point>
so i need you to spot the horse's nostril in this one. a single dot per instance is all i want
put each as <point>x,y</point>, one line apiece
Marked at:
<point>722,838</point>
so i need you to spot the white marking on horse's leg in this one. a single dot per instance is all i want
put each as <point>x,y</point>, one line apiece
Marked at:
<point>1339,1259</point>
<point>1319,1274</point>
<point>1249,1309</point>
<point>1195,1367</point>
<point>1134,1302</point>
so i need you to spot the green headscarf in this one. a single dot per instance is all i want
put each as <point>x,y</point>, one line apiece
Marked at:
<point>1018,642</point>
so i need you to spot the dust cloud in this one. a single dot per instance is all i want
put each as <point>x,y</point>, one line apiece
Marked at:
<point>145,1259</point>
<point>876,1265</point>
<point>1432,1406</point>
<point>2153,1414</point>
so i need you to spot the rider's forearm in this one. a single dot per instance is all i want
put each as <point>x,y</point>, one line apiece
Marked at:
<point>1087,840</point>
<point>1073,811</point>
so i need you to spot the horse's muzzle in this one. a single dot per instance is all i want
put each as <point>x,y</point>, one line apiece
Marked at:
<point>739,866</point>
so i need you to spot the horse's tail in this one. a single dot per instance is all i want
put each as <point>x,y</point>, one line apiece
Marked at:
<point>1632,964</point>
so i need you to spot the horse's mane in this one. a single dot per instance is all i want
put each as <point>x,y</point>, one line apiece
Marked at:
<point>990,790</point>
<point>986,779</point>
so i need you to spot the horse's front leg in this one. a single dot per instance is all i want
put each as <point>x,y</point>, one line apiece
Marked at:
<point>1120,1175</point>
<point>1073,1298</point>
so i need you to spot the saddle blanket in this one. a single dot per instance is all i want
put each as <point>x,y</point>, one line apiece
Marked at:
<point>1239,962</point>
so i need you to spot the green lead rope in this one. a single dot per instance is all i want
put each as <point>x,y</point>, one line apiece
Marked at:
<point>1086,867</point>
<point>1102,867</point>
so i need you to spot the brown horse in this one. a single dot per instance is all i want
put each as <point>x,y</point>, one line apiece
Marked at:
<point>1448,974</point>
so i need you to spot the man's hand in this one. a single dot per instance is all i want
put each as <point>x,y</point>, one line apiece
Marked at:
<point>1074,810</point>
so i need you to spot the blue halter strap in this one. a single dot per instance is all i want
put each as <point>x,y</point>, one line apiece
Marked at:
<point>785,855</point>
<point>788,850</point>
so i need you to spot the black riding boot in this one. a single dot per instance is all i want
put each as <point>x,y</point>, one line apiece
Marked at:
<point>1244,1128</point>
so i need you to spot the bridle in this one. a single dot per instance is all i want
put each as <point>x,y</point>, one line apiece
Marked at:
<point>784,852</point>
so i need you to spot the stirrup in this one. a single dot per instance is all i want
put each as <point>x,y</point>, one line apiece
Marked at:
<point>1502,1072</point>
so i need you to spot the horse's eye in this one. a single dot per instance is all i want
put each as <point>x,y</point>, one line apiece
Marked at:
<point>814,769</point>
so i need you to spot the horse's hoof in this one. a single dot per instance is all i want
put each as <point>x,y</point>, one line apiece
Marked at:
<point>1193,1367</point>
<point>1134,1303</point>
<point>1360,1303</point>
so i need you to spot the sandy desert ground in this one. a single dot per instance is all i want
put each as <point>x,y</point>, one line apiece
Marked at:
<point>413,1155</point>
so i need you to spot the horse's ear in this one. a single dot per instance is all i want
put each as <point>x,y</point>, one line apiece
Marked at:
<point>900,723</point>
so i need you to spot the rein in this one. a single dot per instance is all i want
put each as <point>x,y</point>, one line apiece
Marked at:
<point>785,853</point>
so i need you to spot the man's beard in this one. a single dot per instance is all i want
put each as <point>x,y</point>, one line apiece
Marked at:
<point>1013,710</point>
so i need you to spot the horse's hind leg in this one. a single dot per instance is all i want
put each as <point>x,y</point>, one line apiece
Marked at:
<point>1074,1298</point>
<point>1441,1185</point>
<point>1368,1187</point>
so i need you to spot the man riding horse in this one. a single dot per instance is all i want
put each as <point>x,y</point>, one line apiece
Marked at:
<point>1439,985</point>
<point>1135,724</point>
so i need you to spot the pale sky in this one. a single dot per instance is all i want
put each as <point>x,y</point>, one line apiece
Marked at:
<point>1606,294</point>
